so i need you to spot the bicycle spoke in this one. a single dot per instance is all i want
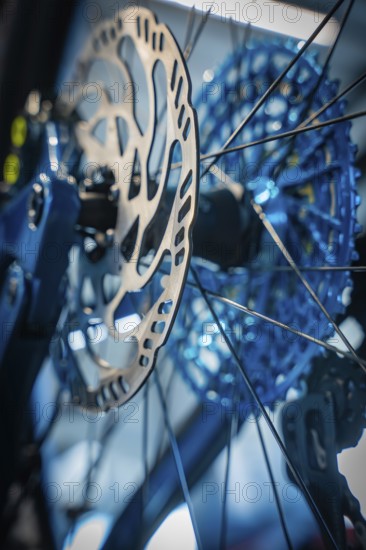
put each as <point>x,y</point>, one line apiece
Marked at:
<point>274,485</point>
<point>233,428</point>
<point>236,189</point>
<point>188,50</point>
<point>145,433</point>
<point>332,50</point>
<point>189,46</point>
<point>178,460</point>
<point>339,96</point>
<point>289,370</point>
<point>235,45</point>
<point>158,451</point>
<point>298,478</point>
<point>276,82</point>
<point>291,142</point>
<point>189,26</point>
<point>276,323</point>
<point>352,268</point>
<point>279,243</point>
<point>275,137</point>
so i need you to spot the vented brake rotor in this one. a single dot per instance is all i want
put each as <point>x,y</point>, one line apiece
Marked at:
<point>133,117</point>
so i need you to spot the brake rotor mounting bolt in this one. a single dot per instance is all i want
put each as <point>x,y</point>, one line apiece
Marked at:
<point>36,204</point>
<point>109,237</point>
<point>87,184</point>
<point>113,194</point>
<point>71,180</point>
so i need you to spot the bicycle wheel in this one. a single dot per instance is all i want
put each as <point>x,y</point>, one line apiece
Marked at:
<point>273,239</point>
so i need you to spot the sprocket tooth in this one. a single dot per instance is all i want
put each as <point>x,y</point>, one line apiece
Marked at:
<point>324,232</point>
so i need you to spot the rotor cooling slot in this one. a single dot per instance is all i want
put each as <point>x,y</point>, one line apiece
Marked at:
<point>126,284</point>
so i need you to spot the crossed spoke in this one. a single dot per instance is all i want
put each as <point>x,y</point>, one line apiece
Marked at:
<point>298,478</point>
<point>274,84</point>
<point>178,459</point>
<point>278,241</point>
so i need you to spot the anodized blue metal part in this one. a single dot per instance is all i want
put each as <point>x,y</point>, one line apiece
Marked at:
<point>306,187</point>
<point>37,230</point>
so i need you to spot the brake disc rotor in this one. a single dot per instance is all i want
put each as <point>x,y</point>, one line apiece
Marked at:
<point>134,115</point>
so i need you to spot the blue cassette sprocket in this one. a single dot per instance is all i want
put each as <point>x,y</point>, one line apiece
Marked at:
<point>306,185</point>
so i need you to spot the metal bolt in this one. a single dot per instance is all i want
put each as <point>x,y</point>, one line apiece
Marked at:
<point>36,204</point>
<point>113,194</point>
<point>109,237</point>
